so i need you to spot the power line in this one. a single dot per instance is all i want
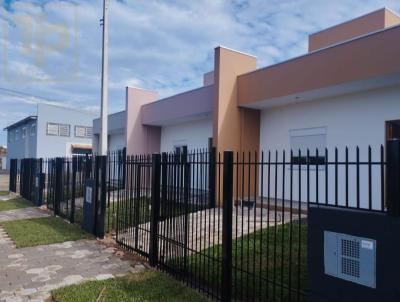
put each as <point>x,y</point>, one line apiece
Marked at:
<point>20,93</point>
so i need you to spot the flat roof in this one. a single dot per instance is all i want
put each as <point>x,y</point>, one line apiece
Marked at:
<point>21,122</point>
<point>364,57</point>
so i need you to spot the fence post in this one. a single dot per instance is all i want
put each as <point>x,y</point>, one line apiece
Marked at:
<point>155,208</point>
<point>211,176</point>
<point>393,177</point>
<point>100,207</point>
<point>74,170</point>
<point>186,197</point>
<point>227,227</point>
<point>58,185</point>
<point>136,203</point>
<point>13,175</point>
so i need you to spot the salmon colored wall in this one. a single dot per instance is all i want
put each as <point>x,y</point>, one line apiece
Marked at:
<point>324,68</point>
<point>236,129</point>
<point>348,30</point>
<point>391,19</point>
<point>228,117</point>
<point>140,139</point>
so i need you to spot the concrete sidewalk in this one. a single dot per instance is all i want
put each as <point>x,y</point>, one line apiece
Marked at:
<point>24,213</point>
<point>29,274</point>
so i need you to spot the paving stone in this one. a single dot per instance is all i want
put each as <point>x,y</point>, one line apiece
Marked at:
<point>30,274</point>
<point>28,291</point>
<point>104,277</point>
<point>25,213</point>
<point>72,279</point>
<point>15,256</point>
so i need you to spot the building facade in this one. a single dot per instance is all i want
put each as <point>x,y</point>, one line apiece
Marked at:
<point>345,92</point>
<point>53,131</point>
<point>348,68</point>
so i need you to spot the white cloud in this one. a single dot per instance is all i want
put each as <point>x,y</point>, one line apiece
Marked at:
<point>159,45</point>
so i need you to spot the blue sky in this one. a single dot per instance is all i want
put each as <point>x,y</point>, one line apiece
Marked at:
<point>50,51</point>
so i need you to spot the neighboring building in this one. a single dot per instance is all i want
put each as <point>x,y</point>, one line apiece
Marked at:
<point>3,158</point>
<point>344,92</point>
<point>53,131</point>
<point>116,132</point>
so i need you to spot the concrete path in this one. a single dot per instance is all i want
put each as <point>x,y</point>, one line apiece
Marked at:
<point>4,180</point>
<point>25,213</point>
<point>205,228</point>
<point>29,274</point>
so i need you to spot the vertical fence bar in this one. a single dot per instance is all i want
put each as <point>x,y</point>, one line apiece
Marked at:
<point>58,185</point>
<point>227,227</point>
<point>101,200</point>
<point>186,187</point>
<point>155,208</point>
<point>73,193</point>
<point>393,177</point>
<point>211,177</point>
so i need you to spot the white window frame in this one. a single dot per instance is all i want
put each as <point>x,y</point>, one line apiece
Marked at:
<point>49,133</point>
<point>87,131</point>
<point>64,125</point>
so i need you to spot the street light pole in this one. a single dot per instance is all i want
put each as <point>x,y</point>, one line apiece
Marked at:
<point>104,84</point>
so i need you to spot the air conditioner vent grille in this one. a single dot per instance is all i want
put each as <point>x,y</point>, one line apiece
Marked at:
<point>351,267</point>
<point>351,248</point>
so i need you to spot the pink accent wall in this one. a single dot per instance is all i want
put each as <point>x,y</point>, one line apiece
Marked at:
<point>140,139</point>
<point>179,108</point>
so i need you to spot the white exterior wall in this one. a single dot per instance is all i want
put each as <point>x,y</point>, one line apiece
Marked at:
<point>350,120</point>
<point>116,141</point>
<point>53,146</point>
<point>193,134</point>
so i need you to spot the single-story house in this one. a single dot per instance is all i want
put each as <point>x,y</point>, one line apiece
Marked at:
<point>345,92</point>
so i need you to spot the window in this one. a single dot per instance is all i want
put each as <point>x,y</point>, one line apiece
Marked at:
<point>16,134</point>
<point>10,136</point>
<point>64,130</point>
<point>311,139</point>
<point>52,129</point>
<point>23,132</point>
<point>83,131</point>
<point>33,129</point>
<point>58,129</point>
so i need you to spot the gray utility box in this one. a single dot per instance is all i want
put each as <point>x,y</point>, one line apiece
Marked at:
<point>350,258</point>
<point>353,255</point>
<point>89,207</point>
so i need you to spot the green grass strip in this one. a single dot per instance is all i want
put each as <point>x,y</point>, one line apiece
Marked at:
<point>41,231</point>
<point>147,286</point>
<point>13,204</point>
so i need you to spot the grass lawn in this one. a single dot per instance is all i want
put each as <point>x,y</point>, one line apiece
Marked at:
<point>16,203</point>
<point>148,286</point>
<point>4,193</point>
<point>257,254</point>
<point>40,231</point>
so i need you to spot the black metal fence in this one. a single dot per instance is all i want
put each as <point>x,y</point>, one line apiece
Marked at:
<point>235,225</point>
<point>59,184</point>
